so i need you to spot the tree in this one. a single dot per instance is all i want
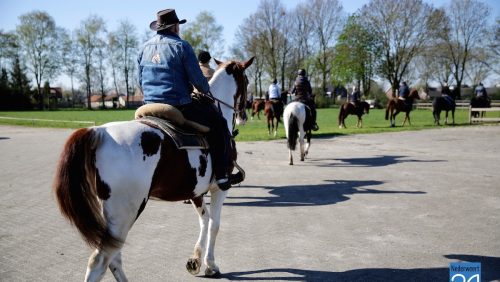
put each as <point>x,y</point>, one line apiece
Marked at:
<point>355,54</point>
<point>301,35</point>
<point>466,27</point>
<point>38,38</point>
<point>19,95</point>
<point>403,28</point>
<point>204,34</point>
<point>127,42</point>
<point>269,28</point>
<point>20,84</point>
<point>248,44</point>
<point>88,36</point>
<point>101,69</point>
<point>8,48</point>
<point>327,20</point>
<point>69,58</point>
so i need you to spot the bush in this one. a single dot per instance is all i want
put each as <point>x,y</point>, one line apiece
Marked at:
<point>323,101</point>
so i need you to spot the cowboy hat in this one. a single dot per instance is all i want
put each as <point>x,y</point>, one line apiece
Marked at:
<point>165,19</point>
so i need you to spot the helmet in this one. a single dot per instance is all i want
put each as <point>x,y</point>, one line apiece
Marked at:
<point>204,57</point>
<point>302,72</point>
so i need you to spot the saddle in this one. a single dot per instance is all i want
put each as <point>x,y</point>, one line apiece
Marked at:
<point>448,100</point>
<point>186,134</point>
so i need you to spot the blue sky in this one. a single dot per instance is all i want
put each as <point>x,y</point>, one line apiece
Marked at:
<point>228,13</point>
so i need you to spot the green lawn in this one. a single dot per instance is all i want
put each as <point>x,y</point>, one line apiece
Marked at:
<point>374,122</point>
<point>254,129</point>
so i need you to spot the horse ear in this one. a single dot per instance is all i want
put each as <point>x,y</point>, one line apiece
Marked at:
<point>248,63</point>
<point>217,62</point>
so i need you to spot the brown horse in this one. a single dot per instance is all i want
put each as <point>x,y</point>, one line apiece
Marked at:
<point>257,106</point>
<point>396,105</point>
<point>273,109</point>
<point>350,109</point>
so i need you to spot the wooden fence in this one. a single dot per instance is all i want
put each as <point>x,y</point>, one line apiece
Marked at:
<point>460,104</point>
<point>480,118</point>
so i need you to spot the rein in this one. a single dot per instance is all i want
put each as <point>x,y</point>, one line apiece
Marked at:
<point>211,96</point>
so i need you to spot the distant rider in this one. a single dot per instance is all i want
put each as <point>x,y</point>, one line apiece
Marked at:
<point>404,91</point>
<point>303,93</point>
<point>355,96</point>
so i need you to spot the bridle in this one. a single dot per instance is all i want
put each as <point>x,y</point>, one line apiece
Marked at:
<point>241,94</point>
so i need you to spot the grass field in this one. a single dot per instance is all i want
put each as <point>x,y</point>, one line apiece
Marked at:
<point>254,129</point>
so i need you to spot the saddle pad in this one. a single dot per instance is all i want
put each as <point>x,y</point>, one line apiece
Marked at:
<point>182,138</point>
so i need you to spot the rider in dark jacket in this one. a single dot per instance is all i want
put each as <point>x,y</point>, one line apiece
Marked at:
<point>303,93</point>
<point>404,91</point>
<point>355,96</point>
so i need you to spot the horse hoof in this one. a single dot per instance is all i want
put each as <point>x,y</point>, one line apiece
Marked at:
<point>193,266</point>
<point>212,273</point>
<point>392,125</point>
<point>290,163</point>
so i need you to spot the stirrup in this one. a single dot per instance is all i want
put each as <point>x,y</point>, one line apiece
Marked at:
<point>224,184</point>
<point>237,177</point>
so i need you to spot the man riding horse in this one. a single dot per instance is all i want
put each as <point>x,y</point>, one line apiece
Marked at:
<point>303,93</point>
<point>168,67</point>
<point>355,96</point>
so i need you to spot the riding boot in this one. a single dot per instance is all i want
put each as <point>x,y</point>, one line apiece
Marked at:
<point>315,126</point>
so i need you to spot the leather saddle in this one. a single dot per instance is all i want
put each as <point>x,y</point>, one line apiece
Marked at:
<point>186,134</point>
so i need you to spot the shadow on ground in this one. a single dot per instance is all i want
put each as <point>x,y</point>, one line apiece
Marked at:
<point>377,161</point>
<point>490,271</point>
<point>330,193</point>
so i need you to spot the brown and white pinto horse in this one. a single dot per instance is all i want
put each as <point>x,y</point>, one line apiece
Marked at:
<point>350,109</point>
<point>106,174</point>
<point>396,105</point>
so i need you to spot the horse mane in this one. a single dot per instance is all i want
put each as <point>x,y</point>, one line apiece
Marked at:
<point>413,93</point>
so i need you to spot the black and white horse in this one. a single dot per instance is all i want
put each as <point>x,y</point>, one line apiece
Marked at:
<point>297,122</point>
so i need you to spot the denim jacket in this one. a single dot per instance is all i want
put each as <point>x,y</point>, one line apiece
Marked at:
<point>167,68</point>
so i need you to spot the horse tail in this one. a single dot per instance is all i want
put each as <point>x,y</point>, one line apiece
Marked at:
<point>293,131</point>
<point>75,188</point>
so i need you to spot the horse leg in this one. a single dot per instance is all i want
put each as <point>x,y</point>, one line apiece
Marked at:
<point>120,216</point>
<point>99,262</point>
<point>436,117</point>
<point>290,157</point>
<point>308,143</point>
<point>276,128</point>
<point>193,264</point>
<point>446,118</point>
<point>269,127</point>
<point>393,117</point>
<point>301,142</point>
<point>453,116</point>
<point>217,198</point>
<point>116,267</point>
